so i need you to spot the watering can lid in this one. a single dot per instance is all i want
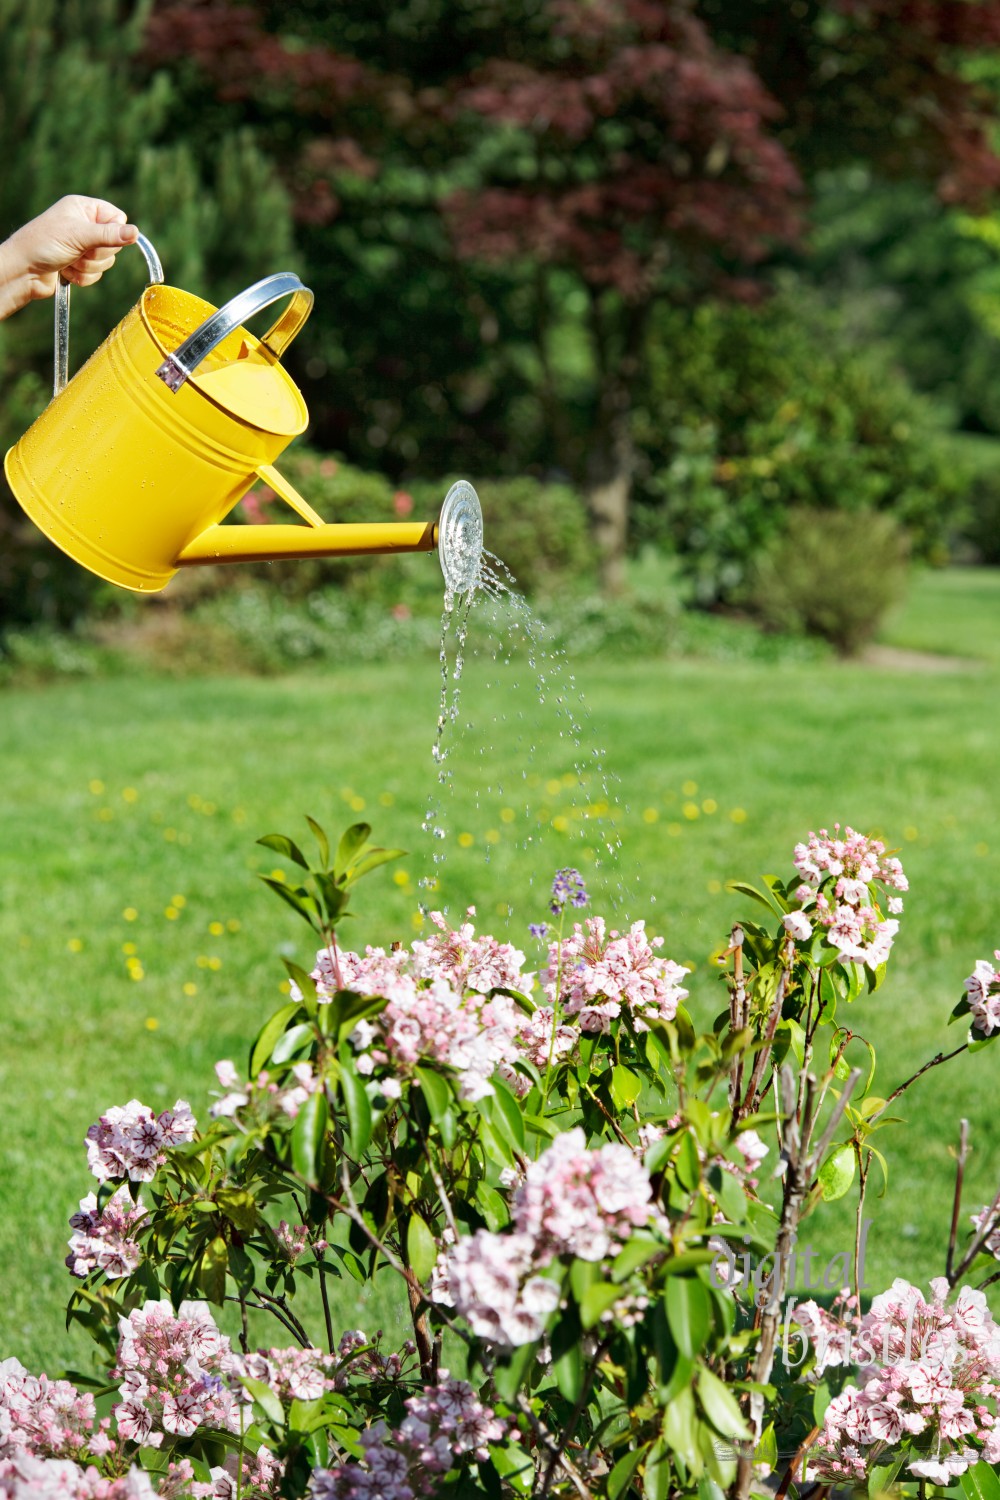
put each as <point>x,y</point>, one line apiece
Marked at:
<point>240,375</point>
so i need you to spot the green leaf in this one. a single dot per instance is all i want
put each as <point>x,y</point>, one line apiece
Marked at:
<point>291,1041</point>
<point>268,1035</point>
<point>321,840</point>
<point>623,1473</point>
<point>837,1173</point>
<point>720,1405</point>
<point>882,1475</point>
<point>596,1300</point>
<point>493,1207</point>
<point>678,1431</point>
<point>298,899</point>
<point>507,1107</point>
<point>436,1091</point>
<point>421,1248</point>
<point>239,1207</point>
<point>282,845</point>
<point>688,1162</point>
<point>508,1378</point>
<point>307,1138</point>
<point>352,841</point>
<point>981,1483</point>
<point>357,1104</point>
<point>265,1398</point>
<point>689,1313</point>
<point>626,1087</point>
<point>212,1270</point>
<point>738,888</point>
<point>515,1467</point>
<point>371,862</point>
<point>636,1251</point>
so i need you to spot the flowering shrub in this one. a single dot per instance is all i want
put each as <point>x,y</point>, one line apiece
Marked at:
<point>552,1167</point>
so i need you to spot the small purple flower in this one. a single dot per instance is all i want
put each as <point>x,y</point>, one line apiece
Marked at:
<point>538,929</point>
<point>567,888</point>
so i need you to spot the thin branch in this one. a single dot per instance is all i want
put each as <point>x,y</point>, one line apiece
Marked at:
<point>275,1312</point>
<point>986,1228</point>
<point>763,1055</point>
<point>547,1441</point>
<point>942,1057</point>
<point>570,1425</point>
<point>863,1170</point>
<point>963,1153</point>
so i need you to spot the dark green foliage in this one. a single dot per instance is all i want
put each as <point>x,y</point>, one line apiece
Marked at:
<point>756,411</point>
<point>833,574</point>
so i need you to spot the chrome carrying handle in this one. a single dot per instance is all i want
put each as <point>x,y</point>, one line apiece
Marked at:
<point>62,314</point>
<point>186,358</point>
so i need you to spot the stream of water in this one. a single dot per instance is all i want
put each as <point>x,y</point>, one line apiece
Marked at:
<point>493,625</point>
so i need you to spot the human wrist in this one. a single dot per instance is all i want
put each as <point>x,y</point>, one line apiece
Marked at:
<point>16,280</point>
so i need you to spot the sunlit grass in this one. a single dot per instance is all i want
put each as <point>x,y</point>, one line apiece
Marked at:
<point>138,945</point>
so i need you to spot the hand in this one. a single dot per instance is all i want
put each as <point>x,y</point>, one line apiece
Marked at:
<point>77,238</point>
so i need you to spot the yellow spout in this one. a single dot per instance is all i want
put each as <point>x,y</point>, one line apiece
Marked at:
<point>232,544</point>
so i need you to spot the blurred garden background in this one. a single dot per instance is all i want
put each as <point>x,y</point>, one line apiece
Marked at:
<point>704,297</point>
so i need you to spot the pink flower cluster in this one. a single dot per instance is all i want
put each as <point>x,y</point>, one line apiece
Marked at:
<point>983,990</point>
<point>572,1202</point>
<point>838,875</point>
<point>444,1426</point>
<point>130,1141</point>
<point>263,1096</point>
<point>104,1240</point>
<point>437,1009</point>
<point>176,1372</point>
<point>599,973</point>
<point>930,1372</point>
<point>43,1418</point>
<point>29,1478</point>
<point>293,1374</point>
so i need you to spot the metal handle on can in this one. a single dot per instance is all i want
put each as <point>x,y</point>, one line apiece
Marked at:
<point>186,358</point>
<point>61,351</point>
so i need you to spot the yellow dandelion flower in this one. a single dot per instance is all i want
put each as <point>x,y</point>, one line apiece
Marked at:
<point>569,778</point>
<point>492,835</point>
<point>358,804</point>
<point>171,913</point>
<point>560,823</point>
<point>194,801</point>
<point>507,815</point>
<point>673,829</point>
<point>277,874</point>
<point>401,877</point>
<point>709,806</point>
<point>129,794</point>
<point>96,787</point>
<point>691,810</point>
<point>105,814</point>
<point>738,815</point>
<point>417,920</point>
<point>170,834</point>
<point>386,799</point>
<point>75,945</point>
<point>650,815</point>
<point>202,960</point>
<point>553,787</point>
<point>689,788</point>
<point>285,986</point>
<point>216,929</point>
<point>130,913</point>
<point>233,925</point>
<point>714,887</point>
<point>214,963</point>
<point>179,901</point>
<point>910,833</point>
<point>152,1024</point>
<point>189,988</point>
<point>209,809</point>
<point>466,840</point>
<point>129,948</point>
<point>239,814</point>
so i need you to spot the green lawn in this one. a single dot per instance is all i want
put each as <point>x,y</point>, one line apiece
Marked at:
<point>130,810</point>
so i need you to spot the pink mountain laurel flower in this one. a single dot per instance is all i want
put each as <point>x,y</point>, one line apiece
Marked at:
<point>572,1202</point>
<point>929,1370</point>
<point>983,991</point>
<point>129,1141</point>
<point>991,1244</point>
<point>444,1426</point>
<point>838,876</point>
<point>601,974</point>
<point>104,1241</point>
<point>798,926</point>
<point>178,1373</point>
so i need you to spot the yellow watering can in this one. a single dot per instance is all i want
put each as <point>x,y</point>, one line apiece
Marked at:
<point>135,463</point>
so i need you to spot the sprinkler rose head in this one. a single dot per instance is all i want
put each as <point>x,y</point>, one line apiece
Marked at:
<point>460,538</point>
